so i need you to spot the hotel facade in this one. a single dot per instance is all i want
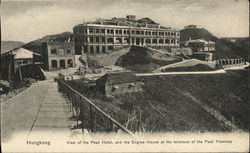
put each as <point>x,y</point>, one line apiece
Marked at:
<point>108,35</point>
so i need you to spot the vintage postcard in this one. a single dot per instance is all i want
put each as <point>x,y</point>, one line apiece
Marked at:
<point>125,76</point>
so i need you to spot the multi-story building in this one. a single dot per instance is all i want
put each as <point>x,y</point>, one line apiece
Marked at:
<point>107,35</point>
<point>200,45</point>
<point>58,55</point>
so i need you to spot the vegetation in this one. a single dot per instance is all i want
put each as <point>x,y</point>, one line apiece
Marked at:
<point>224,49</point>
<point>167,103</point>
<point>144,59</point>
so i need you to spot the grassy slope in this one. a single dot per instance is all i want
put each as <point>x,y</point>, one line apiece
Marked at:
<point>165,107</point>
<point>142,59</point>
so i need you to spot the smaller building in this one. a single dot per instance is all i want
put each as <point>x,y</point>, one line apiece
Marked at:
<point>116,83</point>
<point>58,55</point>
<point>200,45</point>
<point>191,26</point>
<point>13,59</point>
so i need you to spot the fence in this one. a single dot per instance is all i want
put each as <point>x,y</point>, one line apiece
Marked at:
<point>90,116</point>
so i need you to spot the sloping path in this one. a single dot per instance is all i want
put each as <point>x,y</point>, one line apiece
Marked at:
<point>41,107</point>
<point>54,113</point>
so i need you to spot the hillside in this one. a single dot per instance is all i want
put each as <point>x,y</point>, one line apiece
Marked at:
<point>9,45</point>
<point>180,103</point>
<point>243,42</point>
<point>36,45</point>
<point>224,49</point>
<point>145,59</point>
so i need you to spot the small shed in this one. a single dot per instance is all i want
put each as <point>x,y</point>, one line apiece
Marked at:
<point>116,83</point>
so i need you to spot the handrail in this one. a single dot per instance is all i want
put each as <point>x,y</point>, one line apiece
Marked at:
<point>97,108</point>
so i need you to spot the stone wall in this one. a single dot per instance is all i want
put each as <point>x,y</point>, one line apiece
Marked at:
<point>106,59</point>
<point>226,63</point>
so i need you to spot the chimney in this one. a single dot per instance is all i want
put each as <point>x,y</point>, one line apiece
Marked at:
<point>83,21</point>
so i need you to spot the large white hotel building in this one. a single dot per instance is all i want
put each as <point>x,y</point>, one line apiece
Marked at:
<point>107,35</point>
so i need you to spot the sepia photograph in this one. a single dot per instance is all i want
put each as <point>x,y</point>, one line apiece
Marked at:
<point>125,76</point>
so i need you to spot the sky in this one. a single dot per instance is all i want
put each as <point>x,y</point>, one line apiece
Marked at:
<point>25,20</point>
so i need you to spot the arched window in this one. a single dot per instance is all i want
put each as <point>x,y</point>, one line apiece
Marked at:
<point>54,63</point>
<point>70,63</point>
<point>161,41</point>
<point>166,41</point>
<point>154,41</point>
<point>62,63</point>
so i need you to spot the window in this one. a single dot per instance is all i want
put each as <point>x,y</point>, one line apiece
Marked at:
<point>70,63</point>
<point>161,41</point>
<point>62,63</point>
<point>54,63</point>
<point>110,40</point>
<point>103,49</point>
<point>61,51</point>
<point>103,30</point>
<point>167,41</point>
<point>53,51</point>
<point>154,41</point>
<point>68,51</point>
<point>110,47</point>
<point>148,41</point>
<point>97,49</point>
<point>91,39</point>
<point>91,50</point>
<point>97,39</point>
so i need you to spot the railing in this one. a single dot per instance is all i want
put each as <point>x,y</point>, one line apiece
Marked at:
<point>91,116</point>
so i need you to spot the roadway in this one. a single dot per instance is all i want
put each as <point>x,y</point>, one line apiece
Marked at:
<point>40,107</point>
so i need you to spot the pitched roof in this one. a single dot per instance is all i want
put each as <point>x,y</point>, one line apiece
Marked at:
<point>117,78</point>
<point>146,20</point>
<point>21,53</point>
